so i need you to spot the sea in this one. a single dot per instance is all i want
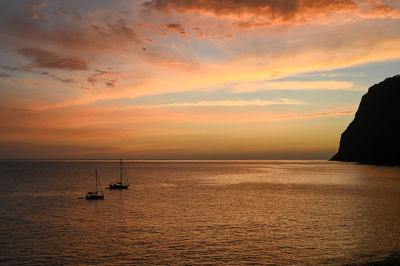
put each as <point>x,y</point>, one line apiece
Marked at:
<point>199,212</point>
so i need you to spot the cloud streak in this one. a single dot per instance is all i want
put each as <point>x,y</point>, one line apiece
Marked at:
<point>314,115</point>
<point>294,85</point>
<point>225,103</point>
<point>100,117</point>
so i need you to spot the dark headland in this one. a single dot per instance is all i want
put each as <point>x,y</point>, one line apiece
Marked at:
<point>373,137</point>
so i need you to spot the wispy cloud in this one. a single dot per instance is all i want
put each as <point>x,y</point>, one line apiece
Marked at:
<point>313,115</point>
<point>294,85</point>
<point>225,103</point>
<point>42,120</point>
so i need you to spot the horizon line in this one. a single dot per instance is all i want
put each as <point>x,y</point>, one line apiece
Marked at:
<point>91,159</point>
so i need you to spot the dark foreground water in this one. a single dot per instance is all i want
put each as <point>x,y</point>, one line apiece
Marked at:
<point>278,212</point>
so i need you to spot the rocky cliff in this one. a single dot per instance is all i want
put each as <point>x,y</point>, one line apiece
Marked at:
<point>373,137</point>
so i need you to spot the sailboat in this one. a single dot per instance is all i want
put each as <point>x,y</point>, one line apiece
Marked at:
<point>96,195</point>
<point>120,184</point>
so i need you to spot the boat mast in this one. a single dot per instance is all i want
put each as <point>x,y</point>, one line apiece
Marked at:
<point>98,181</point>
<point>121,172</point>
<point>97,178</point>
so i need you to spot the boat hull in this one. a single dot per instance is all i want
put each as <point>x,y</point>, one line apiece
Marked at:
<point>118,186</point>
<point>94,197</point>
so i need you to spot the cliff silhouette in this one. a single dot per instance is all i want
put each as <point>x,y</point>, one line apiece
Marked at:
<point>373,137</point>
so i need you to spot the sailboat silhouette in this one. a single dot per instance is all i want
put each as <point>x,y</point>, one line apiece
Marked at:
<point>120,184</point>
<point>96,195</point>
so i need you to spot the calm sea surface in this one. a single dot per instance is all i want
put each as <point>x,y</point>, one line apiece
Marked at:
<point>233,212</point>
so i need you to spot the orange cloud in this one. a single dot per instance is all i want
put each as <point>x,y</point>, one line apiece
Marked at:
<point>206,35</point>
<point>266,12</point>
<point>105,118</point>
<point>255,13</point>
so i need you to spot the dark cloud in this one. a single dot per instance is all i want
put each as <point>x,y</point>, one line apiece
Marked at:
<point>51,75</point>
<point>92,80</point>
<point>101,75</point>
<point>4,75</point>
<point>62,28</point>
<point>120,28</point>
<point>10,68</point>
<point>29,70</point>
<point>176,27</point>
<point>111,83</point>
<point>70,13</point>
<point>46,59</point>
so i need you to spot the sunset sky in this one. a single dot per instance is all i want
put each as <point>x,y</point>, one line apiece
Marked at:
<point>194,79</point>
